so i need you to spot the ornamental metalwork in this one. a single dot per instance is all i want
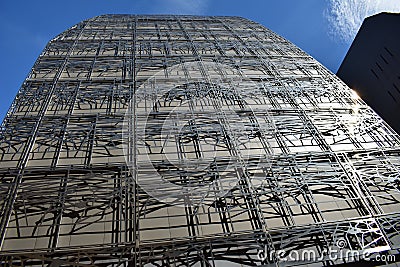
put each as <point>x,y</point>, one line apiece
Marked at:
<point>191,141</point>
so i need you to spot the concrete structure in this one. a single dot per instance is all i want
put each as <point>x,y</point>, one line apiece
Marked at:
<point>372,66</point>
<point>191,141</point>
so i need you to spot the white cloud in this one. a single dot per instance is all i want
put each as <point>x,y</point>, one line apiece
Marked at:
<point>183,7</point>
<point>346,16</point>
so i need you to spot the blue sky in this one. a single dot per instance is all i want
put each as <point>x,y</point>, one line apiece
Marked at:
<point>322,28</point>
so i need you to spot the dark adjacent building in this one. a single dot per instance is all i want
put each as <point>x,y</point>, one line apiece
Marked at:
<point>192,141</point>
<point>372,66</point>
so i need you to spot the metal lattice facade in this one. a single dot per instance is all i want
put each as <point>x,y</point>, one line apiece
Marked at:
<point>190,141</point>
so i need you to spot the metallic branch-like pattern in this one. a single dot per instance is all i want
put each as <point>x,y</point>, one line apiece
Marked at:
<point>191,141</point>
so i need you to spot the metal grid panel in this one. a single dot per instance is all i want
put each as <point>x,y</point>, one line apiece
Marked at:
<point>120,113</point>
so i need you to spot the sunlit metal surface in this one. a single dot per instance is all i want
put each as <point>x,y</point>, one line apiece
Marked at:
<point>191,141</point>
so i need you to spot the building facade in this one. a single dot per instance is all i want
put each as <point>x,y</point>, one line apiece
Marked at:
<point>191,141</point>
<point>372,66</point>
